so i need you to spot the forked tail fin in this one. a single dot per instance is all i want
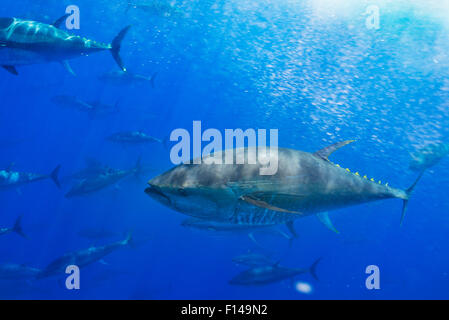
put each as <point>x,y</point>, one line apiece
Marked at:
<point>129,240</point>
<point>116,45</point>
<point>18,227</point>
<point>312,269</point>
<point>54,176</point>
<point>152,78</point>
<point>409,192</point>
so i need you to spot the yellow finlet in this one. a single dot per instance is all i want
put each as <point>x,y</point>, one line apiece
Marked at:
<point>372,180</point>
<point>348,170</point>
<point>357,174</point>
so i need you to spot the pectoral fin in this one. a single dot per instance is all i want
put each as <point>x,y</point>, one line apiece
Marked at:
<point>324,218</point>
<point>11,69</point>
<point>251,199</point>
<point>67,66</point>
<point>326,152</point>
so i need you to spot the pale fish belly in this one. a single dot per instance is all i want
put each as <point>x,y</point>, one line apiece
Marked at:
<point>18,57</point>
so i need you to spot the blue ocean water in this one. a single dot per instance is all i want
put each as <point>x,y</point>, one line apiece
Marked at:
<point>310,68</point>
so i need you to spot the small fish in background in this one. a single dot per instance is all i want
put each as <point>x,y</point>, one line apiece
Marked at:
<point>103,109</point>
<point>83,258</point>
<point>133,137</point>
<point>238,228</point>
<point>428,156</point>
<point>253,259</point>
<point>68,101</point>
<point>92,169</point>
<point>269,274</point>
<point>26,42</point>
<point>102,180</point>
<point>11,271</point>
<point>93,108</point>
<point>97,234</point>
<point>17,228</point>
<point>127,78</point>
<point>13,179</point>
<point>156,7</point>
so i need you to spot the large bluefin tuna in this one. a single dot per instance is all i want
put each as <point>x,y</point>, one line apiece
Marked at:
<point>25,42</point>
<point>304,184</point>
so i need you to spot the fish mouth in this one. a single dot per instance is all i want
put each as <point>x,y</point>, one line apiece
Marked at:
<point>156,193</point>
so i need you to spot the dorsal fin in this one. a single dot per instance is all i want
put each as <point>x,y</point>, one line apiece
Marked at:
<point>58,22</point>
<point>326,152</point>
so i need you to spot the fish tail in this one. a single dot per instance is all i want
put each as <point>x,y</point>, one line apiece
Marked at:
<point>408,193</point>
<point>18,227</point>
<point>152,78</point>
<point>129,240</point>
<point>116,46</point>
<point>54,176</point>
<point>312,269</point>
